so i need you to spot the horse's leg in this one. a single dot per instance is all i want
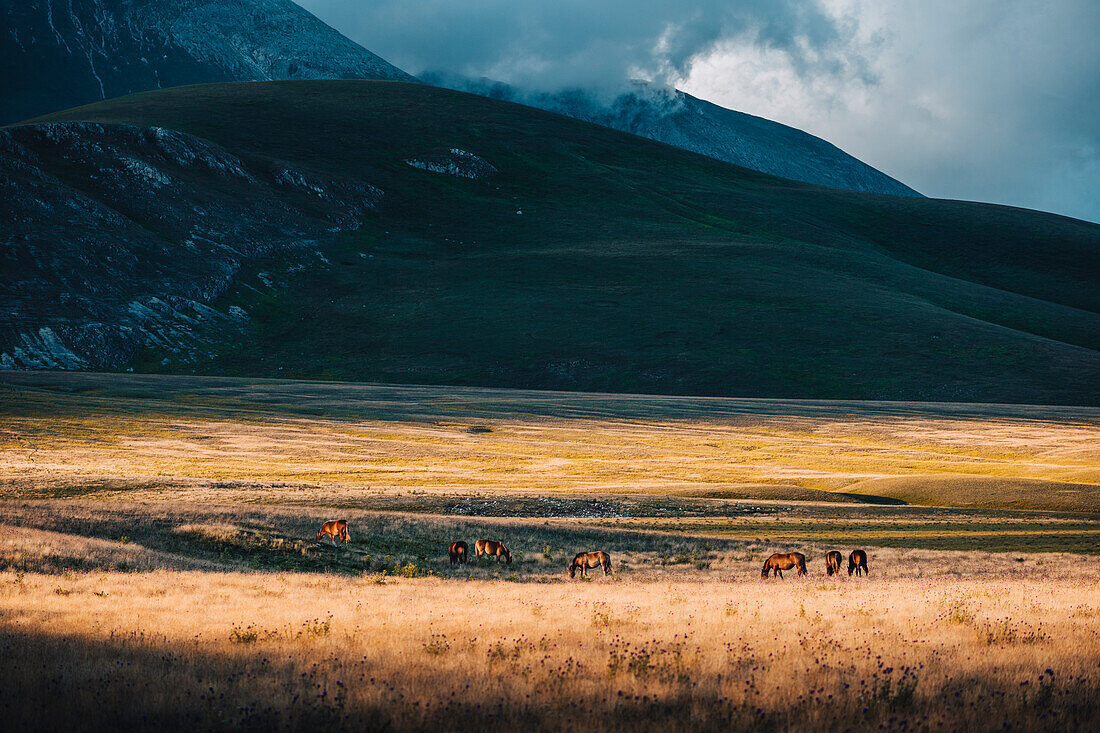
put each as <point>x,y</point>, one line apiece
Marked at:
<point>779,573</point>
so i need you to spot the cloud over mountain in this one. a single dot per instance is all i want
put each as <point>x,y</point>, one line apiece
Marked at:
<point>987,100</point>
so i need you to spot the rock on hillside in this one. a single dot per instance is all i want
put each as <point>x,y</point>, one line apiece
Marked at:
<point>673,117</point>
<point>117,238</point>
<point>58,54</point>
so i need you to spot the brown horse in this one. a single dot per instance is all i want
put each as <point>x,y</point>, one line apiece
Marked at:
<point>458,552</point>
<point>857,563</point>
<point>832,562</point>
<point>784,561</point>
<point>586,560</point>
<point>492,547</point>
<point>334,528</point>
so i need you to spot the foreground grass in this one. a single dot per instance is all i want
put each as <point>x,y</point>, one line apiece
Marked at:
<point>227,650</point>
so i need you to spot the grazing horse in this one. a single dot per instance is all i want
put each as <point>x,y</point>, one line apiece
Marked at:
<point>458,552</point>
<point>832,562</point>
<point>586,560</point>
<point>334,528</point>
<point>857,563</point>
<point>784,561</point>
<point>492,547</point>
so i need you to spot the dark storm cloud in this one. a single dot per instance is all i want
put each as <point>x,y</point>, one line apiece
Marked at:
<point>990,100</point>
<point>577,42</point>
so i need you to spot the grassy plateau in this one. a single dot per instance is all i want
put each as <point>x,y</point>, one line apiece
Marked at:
<point>158,567</point>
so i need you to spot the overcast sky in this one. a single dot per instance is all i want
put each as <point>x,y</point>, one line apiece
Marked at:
<point>986,100</point>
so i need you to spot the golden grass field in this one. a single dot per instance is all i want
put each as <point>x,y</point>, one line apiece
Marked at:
<point>158,567</point>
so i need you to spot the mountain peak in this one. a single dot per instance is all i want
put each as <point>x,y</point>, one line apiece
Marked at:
<point>64,53</point>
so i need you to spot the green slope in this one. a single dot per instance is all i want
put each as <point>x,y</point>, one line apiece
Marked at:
<point>634,266</point>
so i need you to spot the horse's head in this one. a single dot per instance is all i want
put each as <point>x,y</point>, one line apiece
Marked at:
<point>319,533</point>
<point>573,570</point>
<point>507,555</point>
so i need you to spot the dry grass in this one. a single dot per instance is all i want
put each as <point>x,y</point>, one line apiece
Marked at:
<point>225,650</point>
<point>105,435</point>
<point>158,568</point>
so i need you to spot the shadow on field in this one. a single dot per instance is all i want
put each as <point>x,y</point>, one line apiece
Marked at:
<point>65,682</point>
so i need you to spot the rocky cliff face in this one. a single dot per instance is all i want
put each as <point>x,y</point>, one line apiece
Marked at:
<point>57,54</point>
<point>118,238</point>
<point>673,117</point>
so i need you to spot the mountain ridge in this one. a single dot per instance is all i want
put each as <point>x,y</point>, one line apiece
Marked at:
<point>65,53</point>
<point>677,118</point>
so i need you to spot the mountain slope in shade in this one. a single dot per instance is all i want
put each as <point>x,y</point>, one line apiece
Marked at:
<point>117,237</point>
<point>253,239</point>
<point>57,54</point>
<point>673,117</point>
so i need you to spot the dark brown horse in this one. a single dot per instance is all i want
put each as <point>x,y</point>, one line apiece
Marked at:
<point>333,529</point>
<point>857,563</point>
<point>586,560</point>
<point>784,561</point>
<point>492,547</point>
<point>458,551</point>
<point>832,562</point>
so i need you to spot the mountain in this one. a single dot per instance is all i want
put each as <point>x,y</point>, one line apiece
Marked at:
<point>673,117</point>
<point>58,54</point>
<point>386,231</point>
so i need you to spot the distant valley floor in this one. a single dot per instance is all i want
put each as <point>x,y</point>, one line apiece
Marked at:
<point>766,472</point>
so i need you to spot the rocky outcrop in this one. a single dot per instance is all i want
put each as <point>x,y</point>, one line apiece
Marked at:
<point>455,162</point>
<point>115,238</point>
<point>58,54</point>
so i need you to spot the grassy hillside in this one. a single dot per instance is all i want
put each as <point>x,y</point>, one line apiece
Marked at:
<point>633,266</point>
